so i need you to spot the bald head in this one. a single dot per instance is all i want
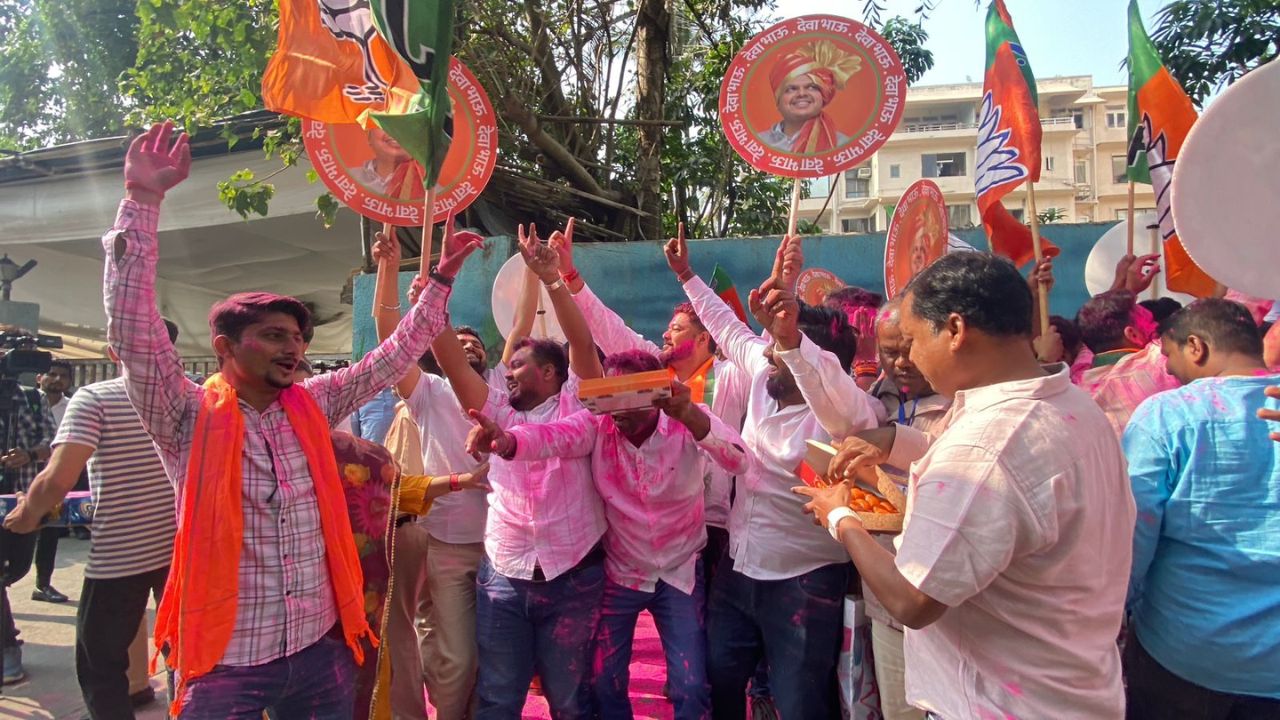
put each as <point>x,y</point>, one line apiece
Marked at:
<point>895,352</point>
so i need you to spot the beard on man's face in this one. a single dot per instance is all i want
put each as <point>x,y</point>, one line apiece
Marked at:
<point>779,386</point>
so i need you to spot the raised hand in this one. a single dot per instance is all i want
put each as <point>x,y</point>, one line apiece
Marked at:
<point>386,248</point>
<point>677,252</point>
<point>823,500</point>
<point>1041,274</point>
<point>778,306</point>
<point>540,258</point>
<point>1048,346</point>
<point>562,243</point>
<point>458,246</point>
<point>487,437</point>
<point>153,164</point>
<point>1141,273</point>
<point>788,262</point>
<point>416,286</point>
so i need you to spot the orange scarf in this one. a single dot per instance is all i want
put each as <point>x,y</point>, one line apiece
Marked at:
<point>198,611</point>
<point>697,382</point>
<point>816,136</point>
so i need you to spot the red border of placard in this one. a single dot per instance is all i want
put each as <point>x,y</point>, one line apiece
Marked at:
<point>893,83</point>
<point>919,191</point>
<point>810,277</point>
<point>467,95</point>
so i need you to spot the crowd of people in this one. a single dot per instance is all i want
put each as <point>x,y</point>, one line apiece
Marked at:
<point>1092,527</point>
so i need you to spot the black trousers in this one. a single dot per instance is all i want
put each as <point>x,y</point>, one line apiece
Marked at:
<point>16,552</point>
<point>106,623</point>
<point>1154,693</point>
<point>46,553</point>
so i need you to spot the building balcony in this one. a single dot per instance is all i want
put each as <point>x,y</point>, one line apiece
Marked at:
<point>1058,124</point>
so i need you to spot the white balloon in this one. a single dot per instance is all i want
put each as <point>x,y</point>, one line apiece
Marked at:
<point>1100,268</point>
<point>506,293</point>
<point>1224,186</point>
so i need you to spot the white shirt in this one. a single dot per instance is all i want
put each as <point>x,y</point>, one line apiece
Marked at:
<point>1020,519</point>
<point>543,513</point>
<point>729,389</point>
<point>59,409</point>
<point>652,494</point>
<point>770,537</point>
<point>443,426</point>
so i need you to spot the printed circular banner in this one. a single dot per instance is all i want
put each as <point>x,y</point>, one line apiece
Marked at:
<point>813,285</point>
<point>369,172</point>
<point>917,235</point>
<point>812,96</point>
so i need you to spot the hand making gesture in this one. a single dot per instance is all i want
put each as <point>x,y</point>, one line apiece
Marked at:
<point>776,308</point>
<point>487,437</point>
<point>457,247</point>
<point>677,252</point>
<point>153,164</point>
<point>540,257</point>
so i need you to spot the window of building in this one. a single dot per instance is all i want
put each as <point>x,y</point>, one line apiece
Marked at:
<point>1123,213</point>
<point>959,216</point>
<point>857,183</point>
<point>818,188</point>
<point>1119,169</point>
<point>1017,214</point>
<point>895,171</point>
<point>857,225</point>
<point>1048,163</point>
<point>1117,118</point>
<point>938,165</point>
<point>1082,172</point>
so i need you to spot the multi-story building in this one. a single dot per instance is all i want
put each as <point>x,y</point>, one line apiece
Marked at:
<point>1083,152</point>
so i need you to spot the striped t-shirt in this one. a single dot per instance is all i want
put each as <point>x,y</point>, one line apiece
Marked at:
<point>133,519</point>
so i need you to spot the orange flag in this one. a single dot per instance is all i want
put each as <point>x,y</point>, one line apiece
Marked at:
<point>331,64</point>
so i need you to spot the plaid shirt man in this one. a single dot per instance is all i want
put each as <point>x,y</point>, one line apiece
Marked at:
<point>285,601</point>
<point>32,428</point>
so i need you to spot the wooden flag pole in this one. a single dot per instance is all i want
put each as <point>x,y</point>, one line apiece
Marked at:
<point>428,221</point>
<point>1155,250</point>
<point>793,220</point>
<point>1129,250</point>
<point>1035,245</point>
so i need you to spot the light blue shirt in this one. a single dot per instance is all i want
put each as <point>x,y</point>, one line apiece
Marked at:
<point>1205,585</point>
<point>372,421</point>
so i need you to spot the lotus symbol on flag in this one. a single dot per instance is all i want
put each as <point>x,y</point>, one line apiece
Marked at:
<point>997,159</point>
<point>352,20</point>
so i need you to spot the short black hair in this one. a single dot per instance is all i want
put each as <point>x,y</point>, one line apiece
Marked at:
<point>1224,325</point>
<point>984,289</point>
<point>1162,308</point>
<point>632,361</point>
<point>468,330</point>
<point>830,330</point>
<point>1103,319</point>
<point>686,308</point>
<point>231,316</point>
<point>64,364</point>
<point>546,352</point>
<point>1068,331</point>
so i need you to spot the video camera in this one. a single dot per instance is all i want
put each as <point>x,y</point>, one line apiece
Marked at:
<point>20,353</point>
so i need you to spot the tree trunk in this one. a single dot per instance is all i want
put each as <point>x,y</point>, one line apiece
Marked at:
<point>653,60</point>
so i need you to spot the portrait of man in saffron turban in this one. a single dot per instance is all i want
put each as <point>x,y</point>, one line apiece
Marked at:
<point>804,82</point>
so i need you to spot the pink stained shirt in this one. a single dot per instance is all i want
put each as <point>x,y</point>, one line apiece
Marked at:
<point>1020,519</point>
<point>728,389</point>
<point>542,513</point>
<point>652,494</point>
<point>285,597</point>
<point>1120,388</point>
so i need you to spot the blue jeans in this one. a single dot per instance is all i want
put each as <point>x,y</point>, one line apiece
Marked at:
<point>682,628</point>
<point>316,683</point>
<point>523,626</point>
<point>794,624</point>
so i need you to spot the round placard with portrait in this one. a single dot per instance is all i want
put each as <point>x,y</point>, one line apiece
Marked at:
<point>812,96</point>
<point>917,235</point>
<point>368,171</point>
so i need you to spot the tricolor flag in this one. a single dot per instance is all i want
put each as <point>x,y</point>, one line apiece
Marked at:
<point>722,285</point>
<point>1008,138</point>
<point>1160,115</point>
<point>330,64</point>
<point>421,33</point>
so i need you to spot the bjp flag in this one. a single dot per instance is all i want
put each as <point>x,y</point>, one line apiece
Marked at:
<point>331,64</point>
<point>1009,136</point>
<point>1160,116</point>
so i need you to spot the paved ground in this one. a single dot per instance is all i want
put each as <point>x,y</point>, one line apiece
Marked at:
<point>50,691</point>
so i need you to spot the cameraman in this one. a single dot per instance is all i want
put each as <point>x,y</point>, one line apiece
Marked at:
<point>26,428</point>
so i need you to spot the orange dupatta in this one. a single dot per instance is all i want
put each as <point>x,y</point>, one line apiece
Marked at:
<point>197,613</point>
<point>697,382</point>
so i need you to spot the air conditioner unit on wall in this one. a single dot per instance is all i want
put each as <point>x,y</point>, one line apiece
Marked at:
<point>864,173</point>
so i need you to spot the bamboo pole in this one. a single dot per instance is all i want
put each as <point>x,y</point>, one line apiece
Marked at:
<point>1129,216</point>
<point>1035,246</point>
<point>1155,250</point>
<point>428,220</point>
<point>793,219</point>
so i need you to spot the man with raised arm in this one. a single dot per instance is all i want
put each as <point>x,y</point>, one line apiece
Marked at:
<point>540,583</point>
<point>264,607</point>
<point>689,353</point>
<point>648,465</point>
<point>780,571</point>
<point>1013,560</point>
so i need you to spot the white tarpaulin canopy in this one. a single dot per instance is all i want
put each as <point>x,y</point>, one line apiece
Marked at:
<point>206,251</point>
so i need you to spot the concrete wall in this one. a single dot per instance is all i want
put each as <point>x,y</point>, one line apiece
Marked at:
<point>633,278</point>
